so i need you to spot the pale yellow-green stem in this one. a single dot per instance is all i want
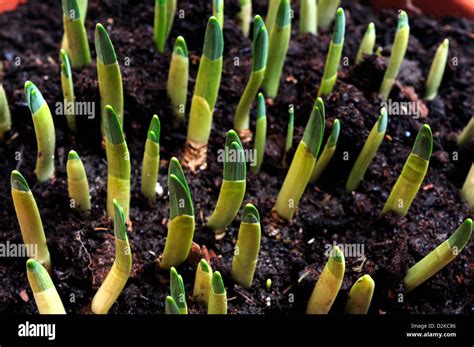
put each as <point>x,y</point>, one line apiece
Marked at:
<point>218,11</point>
<point>439,257</point>
<point>46,296</point>
<point>259,64</point>
<point>118,275</point>
<point>202,282</point>
<point>82,4</point>
<point>205,96</point>
<point>334,55</point>
<point>178,76</point>
<point>468,189</point>
<point>233,185</point>
<point>302,165</point>
<point>399,49</point>
<point>217,296</point>
<point>308,17</point>
<point>407,185</point>
<point>245,257</point>
<point>29,219</point>
<point>271,14</point>
<point>67,87</point>
<point>368,152</point>
<point>230,191</point>
<point>5,115</point>
<point>326,12</point>
<point>279,41</point>
<point>244,17</point>
<point>360,296</point>
<point>118,164</point>
<point>292,190</point>
<point>367,44</point>
<point>78,186</point>
<point>328,152</point>
<point>467,134</point>
<point>328,284</point>
<point>170,13</point>
<point>437,70</point>
<point>109,75</point>
<point>160,26</point>
<point>178,241</point>
<point>151,159</point>
<point>181,225</point>
<point>77,43</point>
<point>44,130</point>
<point>405,189</point>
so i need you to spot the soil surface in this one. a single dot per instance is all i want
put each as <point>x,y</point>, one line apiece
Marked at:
<point>292,254</point>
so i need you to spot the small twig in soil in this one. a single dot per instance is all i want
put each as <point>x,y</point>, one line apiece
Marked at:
<point>287,289</point>
<point>247,298</point>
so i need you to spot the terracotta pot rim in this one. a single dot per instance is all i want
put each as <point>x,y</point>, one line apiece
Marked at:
<point>10,5</point>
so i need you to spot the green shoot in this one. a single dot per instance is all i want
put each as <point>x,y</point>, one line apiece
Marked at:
<point>412,175</point>
<point>302,165</point>
<point>334,55</point>
<point>368,152</point>
<point>438,258</point>
<point>367,44</point>
<point>260,134</point>
<point>399,49</point>
<point>437,70</point>
<point>233,184</point>
<point>277,48</point>
<point>328,152</point>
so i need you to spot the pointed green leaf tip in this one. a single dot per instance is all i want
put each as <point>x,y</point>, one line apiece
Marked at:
<point>283,14</point>
<point>382,121</point>
<point>170,306</point>
<point>370,27</point>
<point>336,129</point>
<point>34,98</point>
<point>337,254</point>
<point>73,155</point>
<point>180,47</point>
<point>179,194</point>
<point>217,283</point>
<point>154,129</point>
<point>339,27</point>
<point>213,41</point>
<point>204,266</point>
<point>65,64</point>
<point>234,158</point>
<point>103,46</point>
<point>461,236</point>
<point>43,280</point>
<point>18,182</point>
<point>119,221</point>
<point>71,9</point>
<point>260,45</point>
<point>291,116</point>
<point>261,108</point>
<point>112,128</point>
<point>250,214</point>
<point>423,143</point>
<point>314,131</point>
<point>402,19</point>
<point>335,259</point>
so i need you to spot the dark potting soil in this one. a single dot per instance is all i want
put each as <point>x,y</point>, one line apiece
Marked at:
<point>292,254</point>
